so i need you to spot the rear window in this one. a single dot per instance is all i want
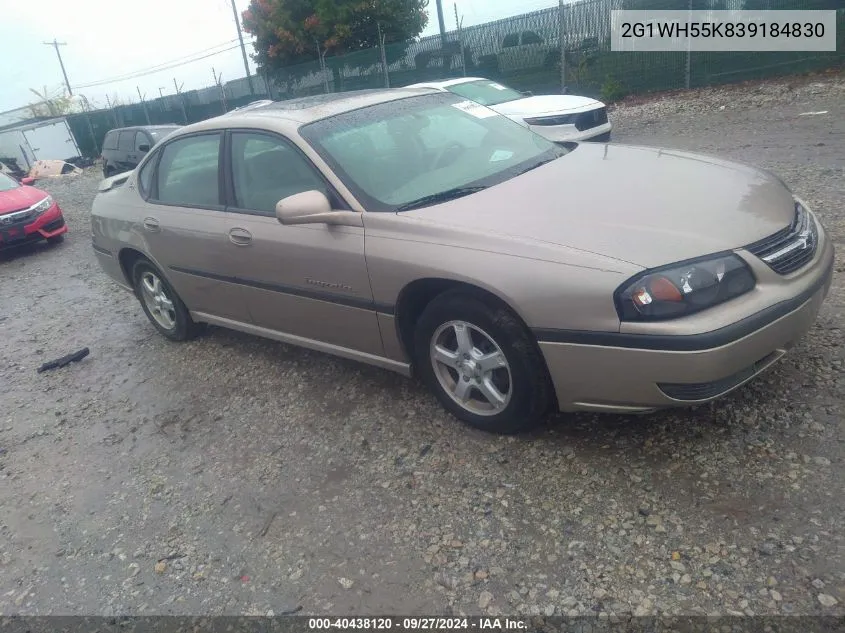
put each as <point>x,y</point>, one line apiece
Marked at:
<point>110,141</point>
<point>126,142</point>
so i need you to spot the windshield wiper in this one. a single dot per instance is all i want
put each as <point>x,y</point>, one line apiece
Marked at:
<point>443,196</point>
<point>538,164</point>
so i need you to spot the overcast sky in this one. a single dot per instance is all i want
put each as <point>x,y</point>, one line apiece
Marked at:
<point>108,39</point>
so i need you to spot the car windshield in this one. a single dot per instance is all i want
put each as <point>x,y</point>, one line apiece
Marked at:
<point>485,92</point>
<point>6,183</point>
<point>422,150</point>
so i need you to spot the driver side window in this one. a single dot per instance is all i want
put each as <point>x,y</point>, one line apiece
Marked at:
<point>266,169</point>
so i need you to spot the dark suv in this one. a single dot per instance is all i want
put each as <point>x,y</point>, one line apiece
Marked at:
<point>124,147</point>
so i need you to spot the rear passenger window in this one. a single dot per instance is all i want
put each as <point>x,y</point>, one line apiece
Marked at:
<point>126,143</point>
<point>510,40</point>
<point>110,142</point>
<point>188,172</point>
<point>145,176</point>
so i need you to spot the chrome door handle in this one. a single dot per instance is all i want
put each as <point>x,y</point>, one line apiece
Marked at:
<point>240,237</point>
<point>151,224</point>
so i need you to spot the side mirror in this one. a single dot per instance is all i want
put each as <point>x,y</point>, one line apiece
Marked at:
<point>313,207</point>
<point>143,147</point>
<point>27,181</point>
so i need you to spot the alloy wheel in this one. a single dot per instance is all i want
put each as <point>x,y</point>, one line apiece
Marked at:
<point>471,368</point>
<point>157,301</point>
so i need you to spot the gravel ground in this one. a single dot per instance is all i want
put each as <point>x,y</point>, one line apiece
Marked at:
<point>233,475</point>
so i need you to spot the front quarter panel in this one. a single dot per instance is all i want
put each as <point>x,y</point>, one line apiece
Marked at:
<point>548,286</point>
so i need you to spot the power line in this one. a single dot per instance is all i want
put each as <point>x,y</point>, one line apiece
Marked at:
<point>163,66</point>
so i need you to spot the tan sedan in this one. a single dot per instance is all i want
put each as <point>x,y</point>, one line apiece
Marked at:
<point>424,233</point>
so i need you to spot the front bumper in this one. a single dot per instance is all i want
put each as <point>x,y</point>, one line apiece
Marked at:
<point>49,224</point>
<point>623,378</point>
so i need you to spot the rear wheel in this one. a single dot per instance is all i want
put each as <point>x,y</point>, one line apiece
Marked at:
<point>161,304</point>
<point>481,363</point>
<point>108,171</point>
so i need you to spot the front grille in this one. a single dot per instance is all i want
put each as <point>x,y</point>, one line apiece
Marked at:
<point>18,218</point>
<point>791,248</point>
<point>591,119</point>
<point>694,392</point>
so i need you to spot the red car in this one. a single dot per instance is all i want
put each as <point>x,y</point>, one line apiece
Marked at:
<point>27,214</point>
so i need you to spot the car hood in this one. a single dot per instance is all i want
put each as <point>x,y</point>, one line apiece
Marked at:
<point>644,206</point>
<point>544,104</point>
<point>19,198</point>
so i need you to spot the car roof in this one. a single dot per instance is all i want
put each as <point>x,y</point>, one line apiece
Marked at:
<point>447,82</point>
<point>132,128</point>
<point>303,110</point>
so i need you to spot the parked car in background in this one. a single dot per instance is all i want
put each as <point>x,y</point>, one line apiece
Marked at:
<point>560,118</point>
<point>422,232</point>
<point>124,148</point>
<point>28,214</point>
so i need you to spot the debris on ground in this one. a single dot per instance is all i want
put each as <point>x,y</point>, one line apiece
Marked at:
<point>65,360</point>
<point>53,169</point>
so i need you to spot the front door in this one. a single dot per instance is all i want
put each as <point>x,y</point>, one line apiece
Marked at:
<point>125,149</point>
<point>308,280</point>
<point>185,226</point>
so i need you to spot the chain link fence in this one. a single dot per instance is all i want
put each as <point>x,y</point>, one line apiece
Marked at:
<point>561,48</point>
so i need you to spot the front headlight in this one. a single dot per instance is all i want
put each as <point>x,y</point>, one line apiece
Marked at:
<point>684,288</point>
<point>42,206</point>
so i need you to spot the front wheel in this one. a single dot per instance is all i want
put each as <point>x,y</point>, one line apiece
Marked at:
<point>481,363</point>
<point>161,304</point>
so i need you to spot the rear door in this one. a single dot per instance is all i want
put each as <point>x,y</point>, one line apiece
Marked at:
<point>53,141</point>
<point>185,226</point>
<point>307,280</point>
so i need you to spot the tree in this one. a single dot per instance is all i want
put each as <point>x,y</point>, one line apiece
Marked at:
<point>291,32</point>
<point>50,105</point>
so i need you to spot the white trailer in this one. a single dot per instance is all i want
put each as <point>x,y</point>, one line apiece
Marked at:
<point>42,140</point>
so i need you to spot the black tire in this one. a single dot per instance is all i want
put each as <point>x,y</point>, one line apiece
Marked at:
<point>108,171</point>
<point>56,239</point>
<point>530,386</point>
<point>184,328</point>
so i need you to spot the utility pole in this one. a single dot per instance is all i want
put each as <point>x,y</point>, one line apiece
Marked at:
<point>243,48</point>
<point>56,45</point>
<point>160,93</point>
<point>442,23</point>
